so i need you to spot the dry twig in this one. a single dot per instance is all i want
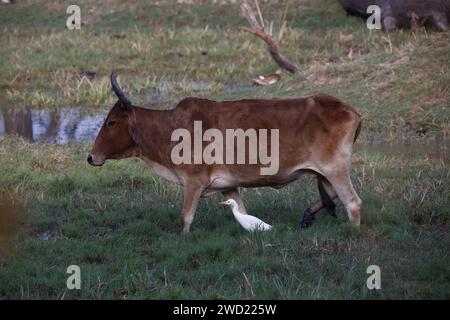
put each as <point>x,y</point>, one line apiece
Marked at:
<point>257,30</point>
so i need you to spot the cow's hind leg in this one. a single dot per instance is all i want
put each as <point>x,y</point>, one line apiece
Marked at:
<point>440,21</point>
<point>234,194</point>
<point>327,194</point>
<point>340,180</point>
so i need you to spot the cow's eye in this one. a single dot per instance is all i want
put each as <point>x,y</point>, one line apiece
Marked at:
<point>110,124</point>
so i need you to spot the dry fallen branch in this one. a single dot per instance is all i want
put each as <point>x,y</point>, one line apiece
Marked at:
<point>257,30</point>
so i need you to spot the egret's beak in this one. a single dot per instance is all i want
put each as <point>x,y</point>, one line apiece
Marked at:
<point>222,203</point>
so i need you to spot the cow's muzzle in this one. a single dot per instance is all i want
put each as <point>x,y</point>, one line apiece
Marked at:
<point>92,161</point>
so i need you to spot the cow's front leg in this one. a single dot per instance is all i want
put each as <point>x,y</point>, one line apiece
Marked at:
<point>190,202</point>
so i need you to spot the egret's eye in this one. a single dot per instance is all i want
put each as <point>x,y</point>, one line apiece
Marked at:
<point>110,124</point>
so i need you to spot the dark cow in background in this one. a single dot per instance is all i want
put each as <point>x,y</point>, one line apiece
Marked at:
<point>404,13</point>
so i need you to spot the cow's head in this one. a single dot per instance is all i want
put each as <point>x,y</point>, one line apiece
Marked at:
<point>114,140</point>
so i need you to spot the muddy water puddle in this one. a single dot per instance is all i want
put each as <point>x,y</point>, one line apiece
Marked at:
<point>58,126</point>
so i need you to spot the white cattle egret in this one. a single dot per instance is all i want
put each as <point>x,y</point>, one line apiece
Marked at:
<point>248,222</point>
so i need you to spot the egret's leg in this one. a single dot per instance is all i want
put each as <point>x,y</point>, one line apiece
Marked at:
<point>234,194</point>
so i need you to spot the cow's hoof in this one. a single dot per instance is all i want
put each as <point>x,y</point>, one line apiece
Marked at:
<point>307,220</point>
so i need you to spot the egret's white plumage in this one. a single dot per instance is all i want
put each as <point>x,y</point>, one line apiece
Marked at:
<point>248,222</point>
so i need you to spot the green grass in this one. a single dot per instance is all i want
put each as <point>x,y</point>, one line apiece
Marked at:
<point>120,223</point>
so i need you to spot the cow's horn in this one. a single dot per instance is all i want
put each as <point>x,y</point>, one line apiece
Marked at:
<point>118,91</point>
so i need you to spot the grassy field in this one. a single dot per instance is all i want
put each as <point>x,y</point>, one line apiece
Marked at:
<point>120,223</point>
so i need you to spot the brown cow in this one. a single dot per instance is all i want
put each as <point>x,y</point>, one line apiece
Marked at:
<point>316,135</point>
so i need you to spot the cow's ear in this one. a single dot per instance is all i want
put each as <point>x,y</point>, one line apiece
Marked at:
<point>124,101</point>
<point>133,129</point>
